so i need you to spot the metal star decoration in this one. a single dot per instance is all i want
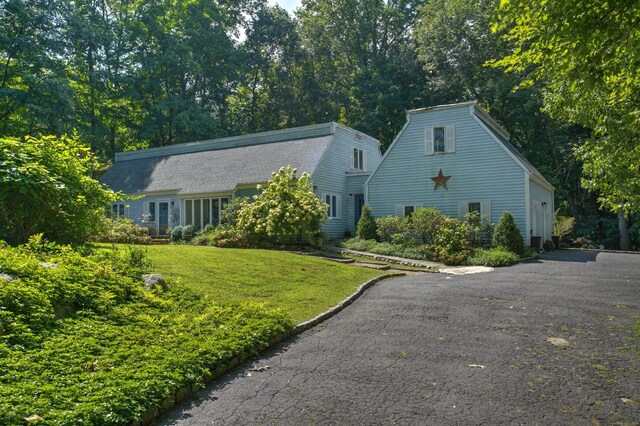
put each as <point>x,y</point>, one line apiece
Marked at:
<point>440,180</point>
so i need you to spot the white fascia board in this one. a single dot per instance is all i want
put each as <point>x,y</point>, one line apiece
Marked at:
<point>500,144</point>
<point>527,209</point>
<point>543,182</point>
<point>393,144</point>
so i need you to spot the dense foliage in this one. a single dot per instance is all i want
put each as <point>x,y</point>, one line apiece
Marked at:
<point>492,257</point>
<point>586,54</point>
<point>152,73</point>
<point>507,235</point>
<point>285,211</point>
<point>81,334</point>
<point>46,186</point>
<point>122,230</point>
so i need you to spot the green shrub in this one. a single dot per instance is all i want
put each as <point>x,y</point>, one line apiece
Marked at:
<point>366,229</point>
<point>176,234</point>
<point>426,224</point>
<point>451,244</point>
<point>230,212</point>
<point>507,235</point>
<point>358,244</point>
<point>46,187</point>
<point>286,209</point>
<point>188,232</point>
<point>229,238</point>
<point>122,230</point>
<point>390,228</point>
<point>492,257</point>
<point>480,230</point>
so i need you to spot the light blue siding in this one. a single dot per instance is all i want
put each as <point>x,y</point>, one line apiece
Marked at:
<point>330,177</point>
<point>481,170</point>
<point>137,209</point>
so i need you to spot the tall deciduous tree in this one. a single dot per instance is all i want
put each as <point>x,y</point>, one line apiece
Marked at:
<point>587,54</point>
<point>362,57</point>
<point>35,94</point>
<point>455,41</point>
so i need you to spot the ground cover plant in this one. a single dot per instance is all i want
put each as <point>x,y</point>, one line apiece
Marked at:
<point>81,341</point>
<point>430,235</point>
<point>303,286</point>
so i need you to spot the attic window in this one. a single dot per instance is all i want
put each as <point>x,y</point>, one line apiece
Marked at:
<point>438,139</point>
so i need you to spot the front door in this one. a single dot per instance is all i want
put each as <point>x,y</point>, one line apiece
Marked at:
<point>163,217</point>
<point>359,201</point>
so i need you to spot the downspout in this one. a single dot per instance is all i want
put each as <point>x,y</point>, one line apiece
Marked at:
<point>527,210</point>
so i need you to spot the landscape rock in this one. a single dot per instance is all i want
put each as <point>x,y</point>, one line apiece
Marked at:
<point>154,281</point>
<point>49,265</point>
<point>7,277</point>
<point>557,341</point>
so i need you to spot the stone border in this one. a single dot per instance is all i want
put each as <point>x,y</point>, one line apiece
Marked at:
<point>393,259</point>
<point>182,394</point>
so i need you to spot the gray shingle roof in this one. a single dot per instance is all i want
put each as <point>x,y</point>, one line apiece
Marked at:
<point>216,170</point>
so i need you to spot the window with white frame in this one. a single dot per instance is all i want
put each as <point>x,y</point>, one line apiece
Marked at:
<point>358,159</point>
<point>334,205</point>
<point>119,210</point>
<point>406,210</point>
<point>439,140</point>
<point>200,212</point>
<point>151,211</point>
<point>482,207</point>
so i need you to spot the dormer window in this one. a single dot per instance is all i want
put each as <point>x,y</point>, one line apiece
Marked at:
<point>439,140</point>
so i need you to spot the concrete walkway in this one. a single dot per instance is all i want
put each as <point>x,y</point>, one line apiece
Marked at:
<point>455,350</point>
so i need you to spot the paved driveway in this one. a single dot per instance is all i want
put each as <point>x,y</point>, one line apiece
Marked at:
<point>468,350</point>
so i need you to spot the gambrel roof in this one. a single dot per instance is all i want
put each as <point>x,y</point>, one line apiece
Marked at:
<point>220,165</point>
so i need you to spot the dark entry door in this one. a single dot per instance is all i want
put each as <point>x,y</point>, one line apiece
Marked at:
<point>359,201</point>
<point>163,217</point>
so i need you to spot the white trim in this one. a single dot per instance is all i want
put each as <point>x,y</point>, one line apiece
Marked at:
<point>338,206</point>
<point>527,210</point>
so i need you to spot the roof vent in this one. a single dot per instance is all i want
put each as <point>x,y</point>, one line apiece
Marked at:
<point>358,136</point>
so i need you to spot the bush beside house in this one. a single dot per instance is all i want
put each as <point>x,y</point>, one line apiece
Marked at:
<point>430,235</point>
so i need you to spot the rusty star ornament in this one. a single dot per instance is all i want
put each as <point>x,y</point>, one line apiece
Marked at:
<point>440,180</point>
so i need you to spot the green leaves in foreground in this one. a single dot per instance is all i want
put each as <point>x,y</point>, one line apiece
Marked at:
<point>106,363</point>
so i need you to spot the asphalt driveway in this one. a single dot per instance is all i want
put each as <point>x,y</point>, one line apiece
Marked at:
<point>468,350</point>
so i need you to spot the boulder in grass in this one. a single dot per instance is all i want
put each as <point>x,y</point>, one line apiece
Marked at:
<point>7,277</point>
<point>154,281</point>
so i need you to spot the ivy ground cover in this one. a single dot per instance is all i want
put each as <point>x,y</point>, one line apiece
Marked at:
<point>81,341</point>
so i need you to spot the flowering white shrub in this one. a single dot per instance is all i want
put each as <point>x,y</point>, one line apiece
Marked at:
<point>286,209</point>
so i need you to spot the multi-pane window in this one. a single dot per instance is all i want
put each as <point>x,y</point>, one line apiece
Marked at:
<point>438,139</point>
<point>358,159</point>
<point>332,200</point>
<point>118,210</point>
<point>201,212</point>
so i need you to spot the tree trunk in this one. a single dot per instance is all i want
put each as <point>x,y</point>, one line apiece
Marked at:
<point>625,242</point>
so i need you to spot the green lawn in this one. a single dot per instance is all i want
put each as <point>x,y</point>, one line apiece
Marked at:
<point>303,286</point>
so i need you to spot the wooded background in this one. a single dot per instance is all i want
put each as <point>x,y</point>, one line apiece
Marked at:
<point>130,74</point>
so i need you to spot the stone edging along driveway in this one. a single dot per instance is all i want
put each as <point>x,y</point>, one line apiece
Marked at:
<point>182,394</point>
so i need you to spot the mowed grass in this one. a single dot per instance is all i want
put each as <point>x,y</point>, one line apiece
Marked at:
<point>303,286</point>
